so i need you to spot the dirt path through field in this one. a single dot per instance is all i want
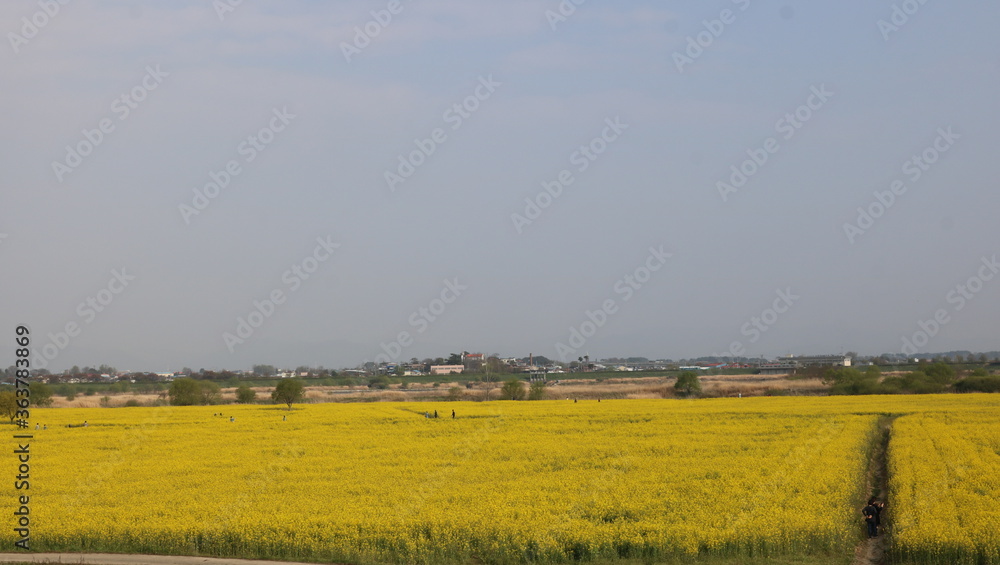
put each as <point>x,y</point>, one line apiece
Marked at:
<point>873,551</point>
<point>125,559</point>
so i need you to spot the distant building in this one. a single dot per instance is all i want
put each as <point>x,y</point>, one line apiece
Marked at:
<point>821,360</point>
<point>777,368</point>
<point>473,361</point>
<point>788,365</point>
<point>446,369</point>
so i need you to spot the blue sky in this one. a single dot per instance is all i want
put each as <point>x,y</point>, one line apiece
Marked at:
<point>527,286</point>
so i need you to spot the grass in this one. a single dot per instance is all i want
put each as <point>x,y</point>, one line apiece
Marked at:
<point>777,560</point>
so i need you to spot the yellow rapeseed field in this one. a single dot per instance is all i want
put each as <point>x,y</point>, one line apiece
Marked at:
<point>502,482</point>
<point>945,487</point>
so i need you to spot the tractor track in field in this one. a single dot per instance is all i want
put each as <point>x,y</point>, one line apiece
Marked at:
<point>873,551</point>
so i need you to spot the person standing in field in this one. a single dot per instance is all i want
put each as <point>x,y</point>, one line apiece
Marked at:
<point>879,507</point>
<point>452,414</point>
<point>870,512</point>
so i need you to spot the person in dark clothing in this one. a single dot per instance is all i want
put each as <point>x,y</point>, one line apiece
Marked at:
<point>879,507</point>
<point>870,512</point>
<point>435,413</point>
<point>452,414</point>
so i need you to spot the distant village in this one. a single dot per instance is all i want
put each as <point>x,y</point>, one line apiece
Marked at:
<point>532,366</point>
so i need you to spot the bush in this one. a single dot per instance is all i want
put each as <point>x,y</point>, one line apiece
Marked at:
<point>245,394</point>
<point>185,392</point>
<point>537,391</point>
<point>848,380</point>
<point>688,383</point>
<point>978,384</point>
<point>941,373</point>
<point>513,390</point>
<point>380,382</point>
<point>132,403</point>
<point>919,382</point>
<point>71,397</point>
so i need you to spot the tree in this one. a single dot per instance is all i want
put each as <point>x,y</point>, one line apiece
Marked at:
<point>41,394</point>
<point>454,393</point>
<point>536,391</point>
<point>512,389</point>
<point>8,404</point>
<point>940,373</point>
<point>494,367</point>
<point>264,370</point>
<point>454,359</point>
<point>210,393</point>
<point>185,392</point>
<point>687,383</point>
<point>245,394</point>
<point>288,391</point>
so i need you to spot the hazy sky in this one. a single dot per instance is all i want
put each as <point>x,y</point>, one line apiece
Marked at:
<point>191,183</point>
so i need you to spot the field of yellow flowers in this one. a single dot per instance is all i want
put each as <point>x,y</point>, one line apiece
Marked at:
<point>945,471</point>
<point>503,482</point>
